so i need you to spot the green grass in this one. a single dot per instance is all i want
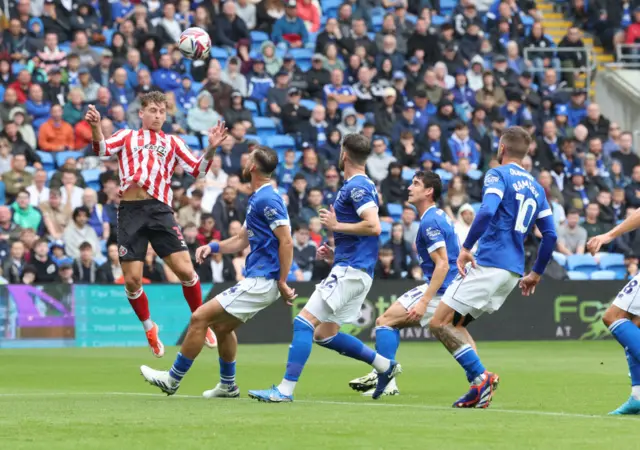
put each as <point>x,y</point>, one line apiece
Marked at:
<point>553,395</point>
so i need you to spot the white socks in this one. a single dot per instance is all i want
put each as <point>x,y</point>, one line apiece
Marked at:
<point>381,364</point>
<point>635,392</point>
<point>147,324</point>
<point>286,387</point>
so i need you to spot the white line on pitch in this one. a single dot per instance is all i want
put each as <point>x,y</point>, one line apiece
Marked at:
<point>321,402</point>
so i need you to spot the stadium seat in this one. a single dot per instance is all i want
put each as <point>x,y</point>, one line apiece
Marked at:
<point>61,157</point>
<point>48,163</point>
<point>575,275</point>
<point>444,176</point>
<point>407,174</point>
<point>2,192</point>
<point>309,104</point>
<point>603,275</point>
<point>560,258</point>
<point>438,21</point>
<point>615,263</point>
<point>196,86</point>
<point>280,143</point>
<point>476,207</point>
<point>376,23</point>
<point>192,141</point>
<point>385,232</point>
<point>17,67</point>
<point>108,35</point>
<point>92,178</point>
<point>220,54</point>
<point>475,174</point>
<point>97,49</point>
<point>301,54</point>
<point>395,210</point>
<point>265,126</point>
<point>253,137</point>
<point>251,106</point>
<point>582,263</point>
<point>258,37</point>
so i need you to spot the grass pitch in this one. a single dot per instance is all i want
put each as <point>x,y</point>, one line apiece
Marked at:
<point>553,395</point>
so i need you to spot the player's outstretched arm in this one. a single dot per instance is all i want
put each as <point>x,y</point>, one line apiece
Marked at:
<point>285,255</point>
<point>368,226</point>
<point>232,245</point>
<point>629,224</point>
<point>441,261</point>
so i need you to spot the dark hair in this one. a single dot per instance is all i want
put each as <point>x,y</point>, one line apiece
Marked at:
<point>430,180</point>
<point>516,141</point>
<point>86,246</point>
<point>357,147</point>
<point>460,125</point>
<point>206,216</point>
<point>266,158</point>
<point>80,210</point>
<point>573,211</point>
<point>41,241</point>
<point>431,125</point>
<point>55,191</point>
<point>368,125</point>
<point>298,176</point>
<point>153,97</point>
<point>314,189</point>
<point>301,226</point>
<point>197,193</point>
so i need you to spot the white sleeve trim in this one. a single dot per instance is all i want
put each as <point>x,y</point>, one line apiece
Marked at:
<point>436,246</point>
<point>546,213</point>
<point>103,148</point>
<point>279,223</point>
<point>366,206</point>
<point>496,191</point>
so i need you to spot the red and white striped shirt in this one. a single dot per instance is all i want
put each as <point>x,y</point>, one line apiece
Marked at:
<point>148,159</point>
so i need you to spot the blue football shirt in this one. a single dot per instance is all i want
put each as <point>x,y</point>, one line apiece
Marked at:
<point>523,201</point>
<point>436,231</point>
<point>360,252</point>
<point>265,213</point>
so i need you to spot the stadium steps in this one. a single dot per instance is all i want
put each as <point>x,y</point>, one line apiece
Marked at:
<point>556,26</point>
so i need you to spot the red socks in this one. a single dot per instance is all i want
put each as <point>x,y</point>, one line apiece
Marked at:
<point>192,293</point>
<point>139,303</point>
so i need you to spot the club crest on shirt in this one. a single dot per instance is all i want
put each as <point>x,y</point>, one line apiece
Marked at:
<point>270,213</point>
<point>433,232</point>
<point>490,179</point>
<point>357,194</point>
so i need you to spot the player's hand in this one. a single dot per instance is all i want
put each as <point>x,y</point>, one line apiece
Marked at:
<point>596,242</point>
<point>288,294</point>
<point>418,311</point>
<point>217,135</point>
<point>92,116</point>
<point>202,253</point>
<point>328,218</point>
<point>528,283</point>
<point>325,253</point>
<point>465,258</point>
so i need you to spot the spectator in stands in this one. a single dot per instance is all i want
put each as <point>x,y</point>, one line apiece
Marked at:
<point>290,29</point>
<point>597,125</point>
<point>9,102</point>
<point>233,77</point>
<point>55,214</point>
<point>191,213</point>
<point>592,223</point>
<point>217,268</point>
<point>385,267</point>
<point>9,231</point>
<point>466,215</point>
<point>618,178</point>
<point>88,86</point>
<point>317,77</point>
<point>111,270</point>
<point>18,145</point>
<point>387,113</point>
<point>342,93</point>
<point>5,156</point>
<point>78,231</point>
<point>227,209</point>
<point>626,154</point>
<point>423,40</point>
<point>25,215</point>
<point>80,46</point>
<point>36,106</point>
<point>85,269</point>
<point>304,250</point>
<point>17,179</point>
<point>297,195</point>
<point>314,204</point>
<point>310,168</point>
<point>576,59</point>
<point>51,55</point>
<point>74,109</point>
<point>246,10</point>
<point>607,214</point>
<point>56,134</point>
<point>295,118</point>
<point>14,263</point>
<point>410,225</point>
<point>632,191</point>
<point>21,86</point>
<point>612,143</point>
<point>403,255</point>
<point>462,146</point>
<point>103,71</point>
<point>577,195</point>
<point>331,185</point>
<point>572,238</point>
<point>229,27</point>
<point>201,119</point>
<point>98,217</point>
<point>455,197</point>
<point>208,231</point>
<point>379,160</point>
<point>406,151</point>
<point>221,91</point>
<point>46,270</point>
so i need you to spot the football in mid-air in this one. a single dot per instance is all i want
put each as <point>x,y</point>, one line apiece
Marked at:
<point>194,43</point>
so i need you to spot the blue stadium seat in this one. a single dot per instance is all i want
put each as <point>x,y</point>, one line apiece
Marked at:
<point>575,275</point>
<point>444,175</point>
<point>438,21</point>
<point>301,54</point>
<point>108,35</point>
<point>385,233</point>
<point>17,67</point>
<point>253,137</point>
<point>258,37</point>
<point>280,143</point>
<point>395,210</point>
<point>614,262</point>
<point>92,178</point>
<point>2,191</point>
<point>603,275</point>
<point>265,126</point>
<point>97,49</point>
<point>476,207</point>
<point>560,258</point>
<point>48,163</point>
<point>61,157</point>
<point>407,174</point>
<point>309,104</point>
<point>192,141</point>
<point>196,86</point>
<point>220,54</point>
<point>582,263</point>
<point>475,174</point>
<point>251,106</point>
<point>376,23</point>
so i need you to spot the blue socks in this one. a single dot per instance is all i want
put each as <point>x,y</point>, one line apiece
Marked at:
<point>227,372</point>
<point>470,362</point>
<point>300,348</point>
<point>628,335</point>
<point>350,346</point>
<point>387,341</point>
<point>180,367</point>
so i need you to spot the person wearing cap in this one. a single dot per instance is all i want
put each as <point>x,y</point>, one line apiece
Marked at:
<point>294,116</point>
<point>297,78</point>
<point>317,77</point>
<point>387,113</point>
<point>342,93</point>
<point>102,72</point>
<point>414,74</point>
<point>277,95</point>
<point>406,122</point>
<point>531,96</point>
<point>237,112</point>
<point>446,117</point>
<point>290,30</point>
<point>426,41</point>
<point>259,81</point>
<point>577,107</point>
<point>515,111</point>
<point>468,16</point>
<point>54,90</point>
<point>577,194</point>
<point>505,76</point>
<point>88,86</point>
<point>452,58</point>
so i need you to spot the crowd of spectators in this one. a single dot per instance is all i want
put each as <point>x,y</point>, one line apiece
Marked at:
<point>432,89</point>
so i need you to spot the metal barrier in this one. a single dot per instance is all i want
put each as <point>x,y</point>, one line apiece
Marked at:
<point>627,57</point>
<point>590,64</point>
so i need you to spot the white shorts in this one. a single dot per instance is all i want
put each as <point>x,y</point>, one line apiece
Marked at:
<point>413,296</point>
<point>248,297</point>
<point>482,290</point>
<point>339,297</point>
<point>627,299</point>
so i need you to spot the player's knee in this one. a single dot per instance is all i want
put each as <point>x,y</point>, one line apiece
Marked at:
<point>132,282</point>
<point>383,321</point>
<point>612,314</point>
<point>185,274</point>
<point>199,319</point>
<point>221,329</point>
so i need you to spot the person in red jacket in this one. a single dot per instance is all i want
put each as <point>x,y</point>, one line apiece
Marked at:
<point>633,32</point>
<point>22,85</point>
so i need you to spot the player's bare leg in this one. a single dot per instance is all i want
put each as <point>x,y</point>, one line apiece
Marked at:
<point>209,314</point>
<point>132,271</point>
<point>456,340</point>
<point>180,264</point>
